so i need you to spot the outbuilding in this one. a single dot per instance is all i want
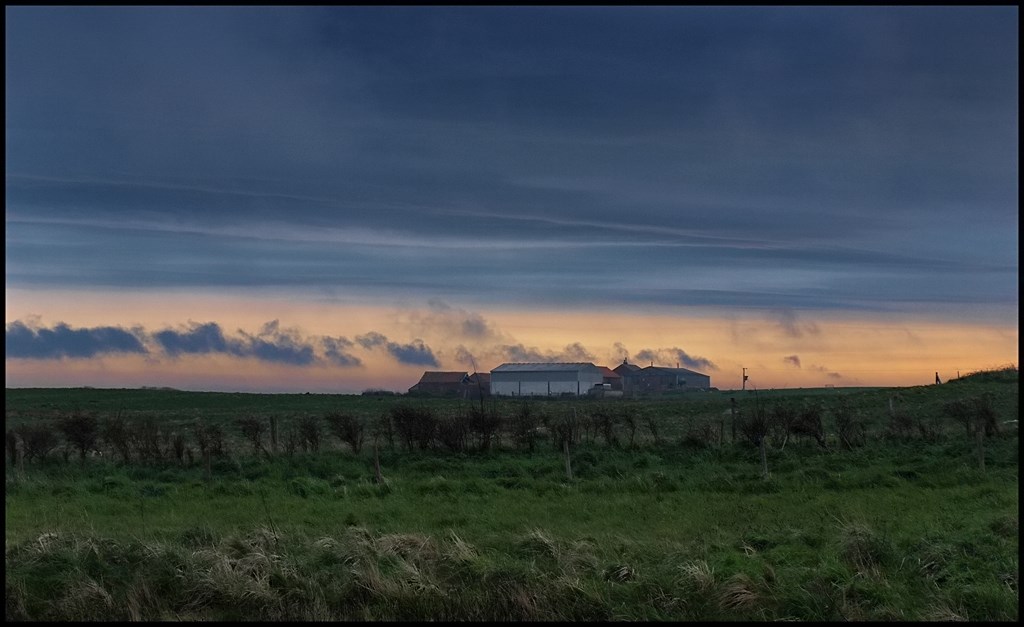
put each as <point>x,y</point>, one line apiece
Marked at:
<point>545,379</point>
<point>441,383</point>
<point>659,379</point>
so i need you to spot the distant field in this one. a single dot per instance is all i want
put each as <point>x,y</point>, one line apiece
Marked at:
<point>677,525</point>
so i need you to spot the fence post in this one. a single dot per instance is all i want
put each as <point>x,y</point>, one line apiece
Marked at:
<point>764,457</point>
<point>377,476</point>
<point>568,461</point>
<point>733,416</point>
<point>980,435</point>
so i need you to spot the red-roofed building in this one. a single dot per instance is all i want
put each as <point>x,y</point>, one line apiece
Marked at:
<point>611,377</point>
<point>441,383</point>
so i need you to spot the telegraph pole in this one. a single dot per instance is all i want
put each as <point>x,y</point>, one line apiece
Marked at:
<point>744,379</point>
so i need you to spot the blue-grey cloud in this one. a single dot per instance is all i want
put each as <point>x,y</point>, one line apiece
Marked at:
<point>837,158</point>
<point>336,351</point>
<point>372,339</point>
<point>792,360</point>
<point>671,356</point>
<point>199,339</point>
<point>275,344</point>
<point>272,344</point>
<point>60,341</point>
<point>413,353</point>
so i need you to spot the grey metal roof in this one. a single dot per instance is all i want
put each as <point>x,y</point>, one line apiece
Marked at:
<point>544,367</point>
<point>667,370</point>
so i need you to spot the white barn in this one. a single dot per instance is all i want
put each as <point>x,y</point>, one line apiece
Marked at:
<point>545,379</point>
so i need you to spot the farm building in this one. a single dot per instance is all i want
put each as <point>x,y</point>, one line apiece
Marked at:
<point>658,379</point>
<point>612,378</point>
<point>625,369</point>
<point>478,384</point>
<point>545,379</point>
<point>441,383</point>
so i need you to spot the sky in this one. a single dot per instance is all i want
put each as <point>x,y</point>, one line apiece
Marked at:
<point>334,199</point>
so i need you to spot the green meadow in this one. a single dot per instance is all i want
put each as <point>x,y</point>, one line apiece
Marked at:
<point>898,504</point>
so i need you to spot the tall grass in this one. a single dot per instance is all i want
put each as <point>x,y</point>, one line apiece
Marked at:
<point>681,526</point>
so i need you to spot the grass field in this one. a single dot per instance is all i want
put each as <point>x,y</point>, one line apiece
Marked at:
<point>680,525</point>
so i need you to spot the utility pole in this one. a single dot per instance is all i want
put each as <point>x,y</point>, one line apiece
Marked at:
<point>744,379</point>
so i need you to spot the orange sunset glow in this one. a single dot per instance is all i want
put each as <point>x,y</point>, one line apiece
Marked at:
<point>333,199</point>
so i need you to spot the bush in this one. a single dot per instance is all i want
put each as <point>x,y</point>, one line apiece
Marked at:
<point>415,425</point>
<point>37,439</point>
<point>346,428</point>
<point>81,431</point>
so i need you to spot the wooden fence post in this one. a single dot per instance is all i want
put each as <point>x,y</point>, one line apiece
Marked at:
<point>980,435</point>
<point>377,476</point>
<point>568,460</point>
<point>764,457</point>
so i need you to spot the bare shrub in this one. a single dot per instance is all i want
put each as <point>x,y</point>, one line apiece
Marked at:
<point>12,447</point>
<point>150,442</point>
<point>524,424</point>
<point>753,426</point>
<point>781,419</point>
<point>81,430</point>
<point>985,415</point>
<point>651,422</point>
<point>347,428</point>
<point>699,434</point>
<point>808,424</point>
<point>415,425</point>
<point>114,431</point>
<point>209,439</point>
<point>252,428</point>
<point>309,433</point>
<point>632,423</point>
<point>485,424</point>
<point>178,445</point>
<point>383,428</point>
<point>453,431</point>
<point>37,440</point>
<point>850,426</point>
<point>901,424</point>
<point>605,422</point>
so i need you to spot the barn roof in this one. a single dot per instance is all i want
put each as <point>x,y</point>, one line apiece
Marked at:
<point>665,370</point>
<point>441,376</point>
<point>545,367</point>
<point>609,373</point>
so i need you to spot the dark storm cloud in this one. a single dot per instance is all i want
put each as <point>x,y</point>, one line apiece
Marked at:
<point>336,351</point>
<point>371,339</point>
<point>671,356</point>
<point>792,360</point>
<point>200,339</point>
<point>836,157</point>
<point>272,344</point>
<point>29,342</point>
<point>413,353</point>
<point>275,344</point>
